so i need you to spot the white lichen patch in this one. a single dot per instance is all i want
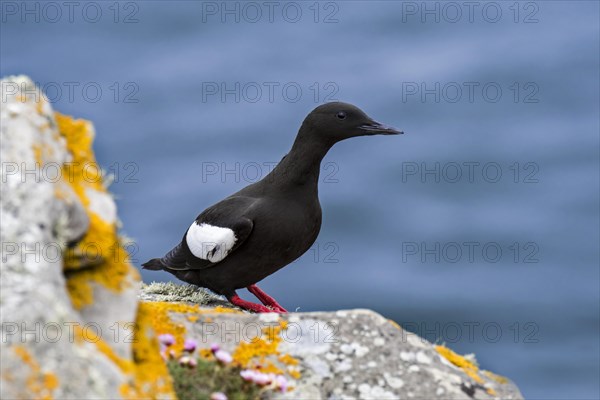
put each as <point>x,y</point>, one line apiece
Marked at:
<point>423,358</point>
<point>407,356</point>
<point>102,204</point>
<point>343,366</point>
<point>169,291</point>
<point>360,350</point>
<point>414,368</point>
<point>269,317</point>
<point>374,392</point>
<point>393,381</point>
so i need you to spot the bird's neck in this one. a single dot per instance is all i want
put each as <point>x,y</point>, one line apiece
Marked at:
<point>301,166</point>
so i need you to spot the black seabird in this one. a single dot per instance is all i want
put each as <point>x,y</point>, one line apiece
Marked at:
<point>265,226</point>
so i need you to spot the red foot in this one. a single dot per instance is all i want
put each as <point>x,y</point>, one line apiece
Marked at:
<point>247,305</point>
<point>266,299</point>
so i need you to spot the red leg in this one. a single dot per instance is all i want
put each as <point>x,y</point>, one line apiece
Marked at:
<point>265,298</point>
<point>247,305</point>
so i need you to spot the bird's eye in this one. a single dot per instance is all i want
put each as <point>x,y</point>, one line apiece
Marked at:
<point>341,115</point>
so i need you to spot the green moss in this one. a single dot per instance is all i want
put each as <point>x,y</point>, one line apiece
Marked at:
<point>209,377</point>
<point>169,291</point>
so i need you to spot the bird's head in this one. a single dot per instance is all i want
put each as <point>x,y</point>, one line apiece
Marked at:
<point>337,121</point>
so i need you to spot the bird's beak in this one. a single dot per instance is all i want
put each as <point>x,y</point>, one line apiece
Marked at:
<point>375,128</point>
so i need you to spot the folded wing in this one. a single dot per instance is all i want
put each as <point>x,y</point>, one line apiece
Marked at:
<point>215,234</point>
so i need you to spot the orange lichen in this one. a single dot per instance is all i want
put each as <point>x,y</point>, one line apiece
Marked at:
<point>255,353</point>
<point>261,347</point>
<point>225,310</point>
<point>38,154</point>
<point>468,367</point>
<point>111,275</point>
<point>152,378</point>
<point>162,323</point>
<point>206,353</point>
<point>39,384</point>
<point>81,338</point>
<point>498,378</point>
<point>99,257</point>
<point>287,359</point>
<point>147,374</point>
<point>294,373</point>
<point>292,365</point>
<point>394,324</point>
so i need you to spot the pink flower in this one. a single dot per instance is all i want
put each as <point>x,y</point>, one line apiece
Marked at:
<point>189,345</point>
<point>281,383</point>
<point>166,339</point>
<point>248,374</point>
<point>223,356</point>
<point>214,347</point>
<point>218,396</point>
<point>262,379</point>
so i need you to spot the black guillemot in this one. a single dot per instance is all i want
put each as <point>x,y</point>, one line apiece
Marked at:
<point>265,226</point>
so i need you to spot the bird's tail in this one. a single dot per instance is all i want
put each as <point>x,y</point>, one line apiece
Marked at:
<point>155,264</point>
<point>173,260</point>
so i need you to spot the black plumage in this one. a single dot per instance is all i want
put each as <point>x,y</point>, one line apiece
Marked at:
<point>266,225</point>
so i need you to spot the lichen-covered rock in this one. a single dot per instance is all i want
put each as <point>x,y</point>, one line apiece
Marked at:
<point>354,354</point>
<point>71,325</point>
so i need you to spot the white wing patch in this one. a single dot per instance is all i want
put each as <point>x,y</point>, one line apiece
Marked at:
<point>209,242</point>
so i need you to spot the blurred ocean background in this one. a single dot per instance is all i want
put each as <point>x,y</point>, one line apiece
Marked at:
<point>500,104</point>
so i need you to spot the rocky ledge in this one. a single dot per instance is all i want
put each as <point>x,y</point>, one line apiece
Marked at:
<point>75,323</point>
<point>348,354</point>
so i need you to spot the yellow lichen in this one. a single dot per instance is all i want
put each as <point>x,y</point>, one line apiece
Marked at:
<point>152,378</point>
<point>38,154</point>
<point>162,323</point>
<point>461,362</point>
<point>81,338</point>
<point>253,354</point>
<point>226,310</point>
<point>294,372</point>
<point>99,257</point>
<point>263,346</point>
<point>394,324</point>
<point>147,374</point>
<point>206,353</point>
<point>39,384</point>
<point>498,378</point>
<point>111,275</point>
<point>287,359</point>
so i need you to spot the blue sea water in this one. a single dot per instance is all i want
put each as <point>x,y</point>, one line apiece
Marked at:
<point>478,228</point>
